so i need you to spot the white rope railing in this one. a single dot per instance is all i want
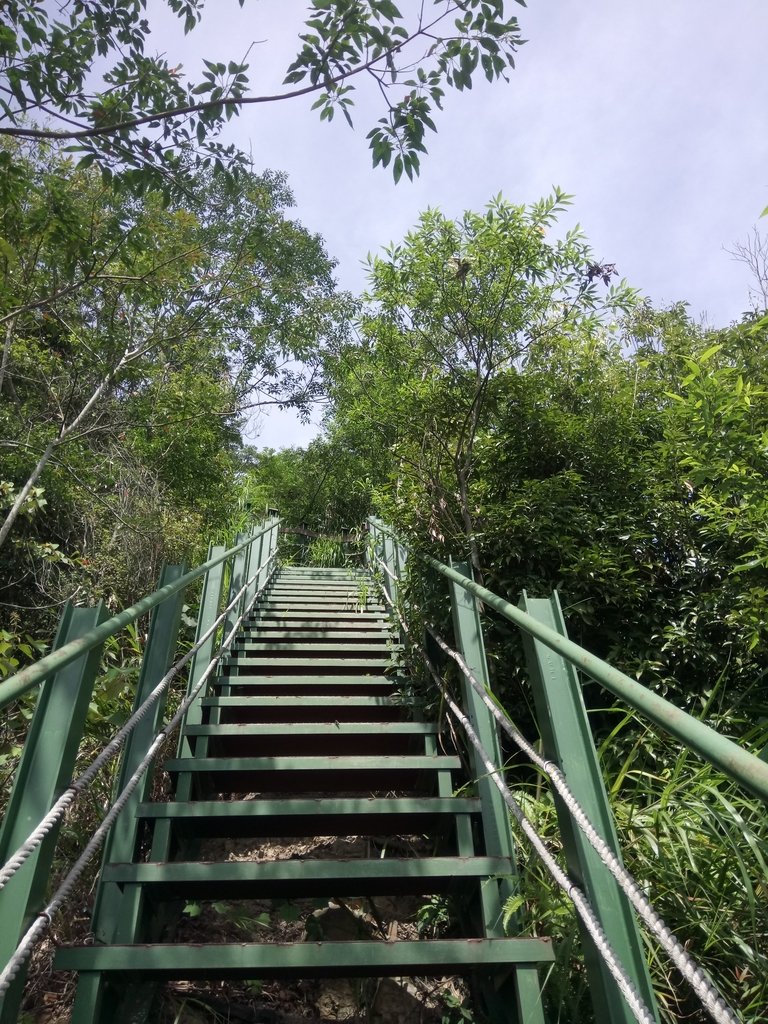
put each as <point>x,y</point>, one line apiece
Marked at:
<point>71,794</point>
<point>692,971</point>
<point>44,919</point>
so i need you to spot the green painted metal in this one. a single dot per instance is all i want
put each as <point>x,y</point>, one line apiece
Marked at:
<point>343,763</point>
<point>110,910</point>
<point>288,702</point>
<point>237,577</point>
<point>44,772</point>
<point>308,674</point>
<point>267,633</point>
<point>318,729</point>
<point>567,741</point>
<point>718,750</point>
<point>278,880</point>
<point>236,665</point>
<point>320,959</point>
<point>33,675</point>
<point>329,815</point>
<point>377,680</point>
<point>116,915</point>
<point>253,563</point>
<point>270,614</point>
<point>523,1004</point>
<point>288,645</point>
<point>209,610</point>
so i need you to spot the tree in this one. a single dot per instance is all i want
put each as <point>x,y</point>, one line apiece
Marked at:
<point>146,122</point>
<point>138,334</point>
<point>454,313</point>
<point>753,253</point>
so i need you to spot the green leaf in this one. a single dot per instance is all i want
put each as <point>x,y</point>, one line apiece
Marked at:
<point>706,355</point>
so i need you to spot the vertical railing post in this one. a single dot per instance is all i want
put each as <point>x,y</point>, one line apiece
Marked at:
<point>44,772</point>
<point>567,741</point>
<point>210,602</point>
<point>385,549</point>
<point>253,563</point>
<point>116,912</point>
<point>499,841</point>
<point>236,579</point>
<point>377,535</point>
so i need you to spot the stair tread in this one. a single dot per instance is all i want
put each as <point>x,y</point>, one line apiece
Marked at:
<point>323,701</point>
<point>333,634</point>
<point>290,645</point>
<point>328,762</point>
<point>329,663</point>
<point>315,729</point>
<point>255,681</point>
<point>300,869</point>
<point>291,959</point>
<point>311,806</point>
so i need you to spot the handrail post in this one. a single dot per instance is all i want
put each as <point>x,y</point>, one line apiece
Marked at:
<point>274,539</point>
<point>237,578</point>
<point>377,536</point>
<point>44,772</point>
<point>385,548</point>
<point>210,601</point>
<point>254,561</point>
<point>499,841</point>
<point>115,915</point>
<point>567,741</point>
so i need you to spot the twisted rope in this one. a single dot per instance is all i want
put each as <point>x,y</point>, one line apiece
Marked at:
<point>71,794</point>
<point>44,919</point>
<point>710,997</point>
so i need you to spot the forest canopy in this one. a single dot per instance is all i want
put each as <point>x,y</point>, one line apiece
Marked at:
<point>144,123</point>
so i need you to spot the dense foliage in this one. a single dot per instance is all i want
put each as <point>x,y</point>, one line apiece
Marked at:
<point>137,338</point>
<point>507,405</point>
<point>498,394</point>
<point>144,121</point>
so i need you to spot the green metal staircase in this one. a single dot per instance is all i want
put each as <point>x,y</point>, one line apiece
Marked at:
<point>301,734</point>
<point>293,727</point>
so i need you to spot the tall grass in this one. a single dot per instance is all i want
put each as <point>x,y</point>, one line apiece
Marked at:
<point>698,843</point>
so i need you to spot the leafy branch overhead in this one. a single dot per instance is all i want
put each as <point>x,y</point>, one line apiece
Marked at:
<point>145,121</point>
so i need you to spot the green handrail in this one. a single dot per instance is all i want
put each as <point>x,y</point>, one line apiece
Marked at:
<point>25,680</point>
<point>729,757</point>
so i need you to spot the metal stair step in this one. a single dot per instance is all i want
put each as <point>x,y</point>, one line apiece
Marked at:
<point>282,879</point>
<point>298,959</point>
<point>244,708</point>
<point>320,816</point>
<point>280,646</point>
<point>315,738</point>
<point>269,632</point>
<point>316,764</point>
<point>331,685</point>
<point>346,773</point>
<point>332,617</point>
<point>318,729</point>
<point>322,572</point>
<point>318,588</point>
<point>253,663</point>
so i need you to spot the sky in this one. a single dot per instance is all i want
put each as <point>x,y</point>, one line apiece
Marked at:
<point>652,114</point>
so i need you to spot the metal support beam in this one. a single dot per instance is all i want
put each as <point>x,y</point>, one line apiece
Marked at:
<point>567,741</point>
<point>237,578</point>
<point>525,1006</point>
<point>44,772</point>
<point>254,561</point>
<point>116,914</point>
